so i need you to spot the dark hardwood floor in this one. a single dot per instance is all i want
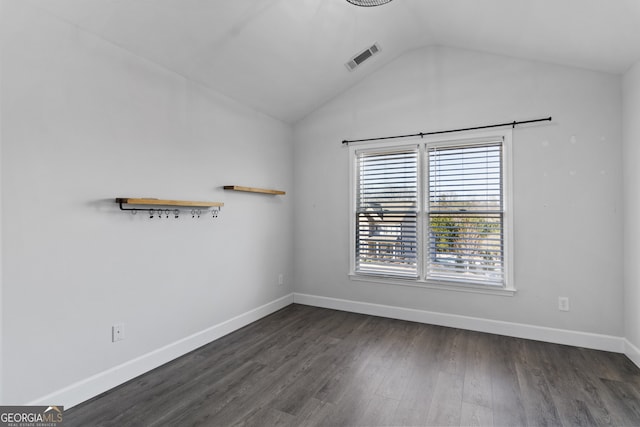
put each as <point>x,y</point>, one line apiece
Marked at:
<point>307,366</point>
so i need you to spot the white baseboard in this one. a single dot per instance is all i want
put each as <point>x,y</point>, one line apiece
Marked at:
<point>632,352</point>
<point>519,330</point>
<point>99,383</point>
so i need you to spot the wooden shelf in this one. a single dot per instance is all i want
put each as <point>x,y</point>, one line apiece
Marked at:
<point>162,202</point>
<point>254,190</point>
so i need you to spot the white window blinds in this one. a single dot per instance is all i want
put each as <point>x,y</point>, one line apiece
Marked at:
<point>386,212</point>
<point>466,214</point>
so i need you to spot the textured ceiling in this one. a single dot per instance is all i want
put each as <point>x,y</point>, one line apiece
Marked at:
<point>286,57</point>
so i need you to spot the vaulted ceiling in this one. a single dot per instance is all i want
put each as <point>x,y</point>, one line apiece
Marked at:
<point>286,57</point>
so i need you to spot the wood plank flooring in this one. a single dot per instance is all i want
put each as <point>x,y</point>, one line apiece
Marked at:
<point>308,366</point>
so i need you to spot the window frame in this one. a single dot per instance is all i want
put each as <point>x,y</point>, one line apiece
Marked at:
<point>423,144</point>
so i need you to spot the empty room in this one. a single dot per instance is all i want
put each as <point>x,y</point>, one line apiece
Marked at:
<point>320,212</point>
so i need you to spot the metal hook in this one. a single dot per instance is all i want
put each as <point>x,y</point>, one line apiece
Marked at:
<point>166,213</point>
<point>151,213</point>
<point>176,212</point>
<point>193,213</point>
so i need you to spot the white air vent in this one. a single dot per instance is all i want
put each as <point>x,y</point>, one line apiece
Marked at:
<point>362,56</point>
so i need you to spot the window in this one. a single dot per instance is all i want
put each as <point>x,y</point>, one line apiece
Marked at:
<point>436,213</point>
<point>387,212</point>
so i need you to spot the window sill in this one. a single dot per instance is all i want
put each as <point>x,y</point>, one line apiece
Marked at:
<point>443,286</point>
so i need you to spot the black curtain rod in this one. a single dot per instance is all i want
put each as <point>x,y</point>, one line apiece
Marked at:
<point>423,134</point>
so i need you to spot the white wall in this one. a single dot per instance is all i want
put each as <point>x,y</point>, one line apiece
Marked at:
<point>567,179</point>
<point>85,122</point>
<point>631,155</point>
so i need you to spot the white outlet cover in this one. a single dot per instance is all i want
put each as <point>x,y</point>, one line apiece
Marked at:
<point>117,332</point>
<point>563,303</point>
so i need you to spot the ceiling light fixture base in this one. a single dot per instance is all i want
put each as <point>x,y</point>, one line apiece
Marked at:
<point>368,3</point>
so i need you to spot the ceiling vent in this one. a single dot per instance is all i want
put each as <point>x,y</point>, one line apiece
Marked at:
<point>362,56</point>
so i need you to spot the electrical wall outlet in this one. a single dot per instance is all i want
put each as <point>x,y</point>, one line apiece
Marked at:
<point>563,303</point>
<point>280,279</point>
<point>117,332</point>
